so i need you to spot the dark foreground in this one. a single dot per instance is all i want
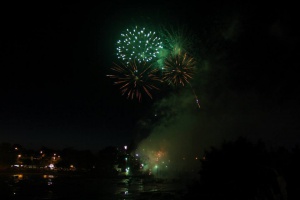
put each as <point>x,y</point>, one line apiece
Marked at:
<point>80,187</point>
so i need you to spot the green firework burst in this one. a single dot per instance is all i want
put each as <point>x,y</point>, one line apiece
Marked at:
<point>138,44</point>
<point>178,40</point>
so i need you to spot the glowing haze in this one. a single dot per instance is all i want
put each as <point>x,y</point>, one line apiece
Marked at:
<point>239,97</point>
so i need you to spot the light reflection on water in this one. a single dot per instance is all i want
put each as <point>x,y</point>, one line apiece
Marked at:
<point>137,188</point>
<point>56,187</point>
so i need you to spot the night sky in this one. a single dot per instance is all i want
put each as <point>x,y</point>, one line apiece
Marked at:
<point>54,60</point>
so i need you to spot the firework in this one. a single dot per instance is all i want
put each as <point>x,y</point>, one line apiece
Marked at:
<point>154,159</point>
<point>176,41</point>
<point>138,44</point>
<point>136,78</point>
<point>179,69</point>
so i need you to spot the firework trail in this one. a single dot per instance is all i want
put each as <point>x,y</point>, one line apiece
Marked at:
<point>196,98</point>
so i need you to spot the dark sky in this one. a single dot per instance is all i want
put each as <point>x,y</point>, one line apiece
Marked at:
<point>54,59</point>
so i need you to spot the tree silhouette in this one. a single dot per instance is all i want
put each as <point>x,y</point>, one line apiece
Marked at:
<point>239,170</point>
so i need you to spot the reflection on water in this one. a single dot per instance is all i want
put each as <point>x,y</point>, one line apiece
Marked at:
<point>138,188</point>
<point>49,178</point>
<point>49,186</point>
